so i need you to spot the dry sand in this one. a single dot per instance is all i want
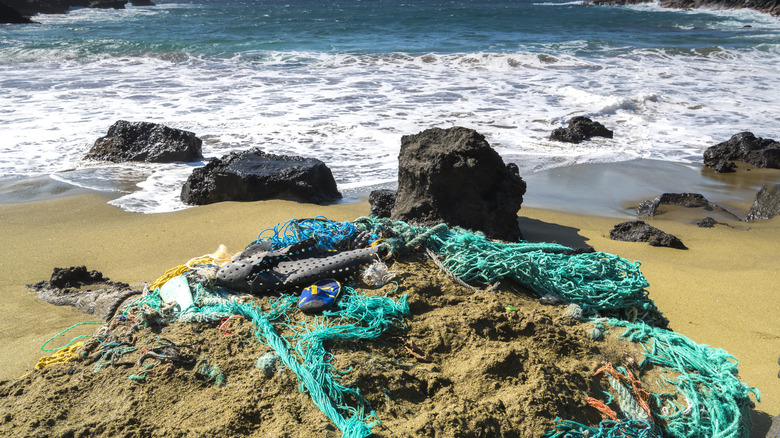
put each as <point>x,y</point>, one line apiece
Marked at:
<point>721,292</point>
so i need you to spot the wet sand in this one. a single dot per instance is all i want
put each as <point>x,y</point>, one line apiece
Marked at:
<point>721,291</point>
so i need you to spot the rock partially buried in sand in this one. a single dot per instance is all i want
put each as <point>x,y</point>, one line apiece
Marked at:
<point>767,203</point>
<point>454,176</point>
<point>254,175</point>
<point>745,147</point>
<point>774,430</point>
<point>639,231</point>
<point>579,129</point>
<point>145,141</point>
<point>87,291</point>
<point>687,200</point>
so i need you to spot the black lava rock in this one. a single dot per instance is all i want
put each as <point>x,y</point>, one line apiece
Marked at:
<point>688,200</point>
<point>382,202</point>
<point>88,291</point>
<point>707,222</point>
<point>579,129</point>
<point>745,147</point>
<point>454,176</point>
<point>254,175</point>
<point>9,15</point>
<point>144,141</point>
<point>767,203</point>
<point>639,231</point>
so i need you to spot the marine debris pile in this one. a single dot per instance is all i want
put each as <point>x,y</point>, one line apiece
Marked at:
<point>389,330</point>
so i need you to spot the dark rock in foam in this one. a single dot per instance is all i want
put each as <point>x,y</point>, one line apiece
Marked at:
<point>454,176</point>
<point>148,142</point>
<point>254,175</point>
<point>579,129</point>
<point>32,7</point>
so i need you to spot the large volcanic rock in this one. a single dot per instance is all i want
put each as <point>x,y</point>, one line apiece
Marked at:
<point>746,147</point>
<point>145,141</point>
<point>768,6</point>
<point>766,204</point>
<point>579,129</point>
<point>454,176</point>
<point>32,7</point>
<point>9,15</point>
<point>254,175</point>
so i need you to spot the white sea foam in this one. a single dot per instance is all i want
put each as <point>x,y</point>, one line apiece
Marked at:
<point>351,110</point>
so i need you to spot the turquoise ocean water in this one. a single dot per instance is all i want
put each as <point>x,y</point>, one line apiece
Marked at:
<point>342,81</point>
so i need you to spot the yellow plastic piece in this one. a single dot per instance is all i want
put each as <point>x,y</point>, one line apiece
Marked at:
<point>61,356</point>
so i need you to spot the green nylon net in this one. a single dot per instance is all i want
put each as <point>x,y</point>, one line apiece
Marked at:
<point>359,317</point>
<point>598,282</point>
<point>717,403</point>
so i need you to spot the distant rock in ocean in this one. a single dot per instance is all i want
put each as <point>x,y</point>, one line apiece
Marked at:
<point>9,15</point>
<point>745,147</point>
<point>28,8</point>
<point>768,6</point>
<point>145,141</point>
<point>579,129</point>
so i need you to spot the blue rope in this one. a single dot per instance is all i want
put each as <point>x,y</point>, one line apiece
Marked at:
<point>328,234</point>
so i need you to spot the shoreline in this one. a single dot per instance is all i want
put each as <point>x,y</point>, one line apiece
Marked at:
<point>719,292</point>
<point>612,189</point>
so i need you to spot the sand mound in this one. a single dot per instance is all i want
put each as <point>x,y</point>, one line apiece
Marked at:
<point>466,364</point>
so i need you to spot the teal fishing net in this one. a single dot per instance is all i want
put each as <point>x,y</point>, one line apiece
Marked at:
<point>716,402</point>
<point>598,282</point>
<point>359,317</point>
<point>606,429</point>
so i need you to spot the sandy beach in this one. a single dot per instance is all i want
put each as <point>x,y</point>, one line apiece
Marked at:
<point>721,291</point>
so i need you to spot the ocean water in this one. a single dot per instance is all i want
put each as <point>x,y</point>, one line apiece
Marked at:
<point>342,81</point>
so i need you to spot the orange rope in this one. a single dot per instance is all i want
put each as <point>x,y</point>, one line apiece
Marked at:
<point>225,329</point>
<point>601,407</point>
<point>640,394</point>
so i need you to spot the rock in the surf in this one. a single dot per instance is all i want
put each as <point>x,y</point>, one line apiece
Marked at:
<point>745,147</point>
<point>145,141</point>
<point>454,176</point>
<point>639,231</point>
<point>580,128</point>
<point>254,175</point>
<point>31,7</point>
<point>767,203</point>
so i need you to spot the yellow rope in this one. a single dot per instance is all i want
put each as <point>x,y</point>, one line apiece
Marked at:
<point>219,257</point>
<point>61,356</point>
